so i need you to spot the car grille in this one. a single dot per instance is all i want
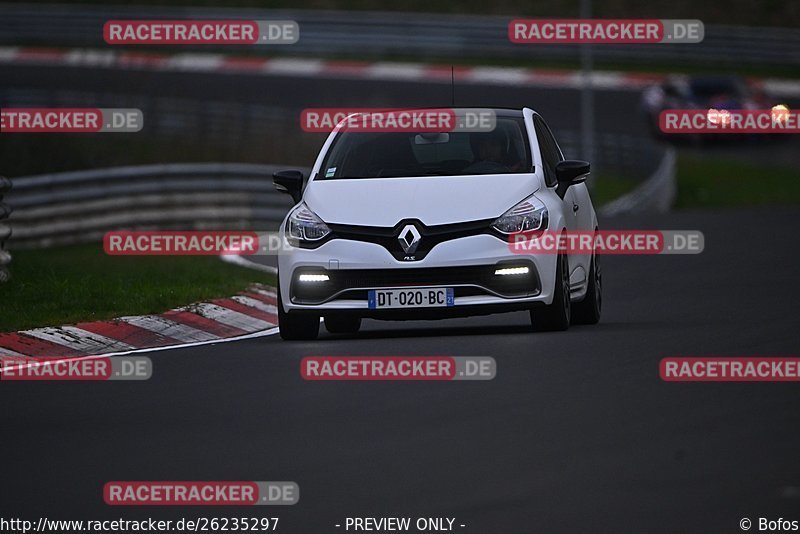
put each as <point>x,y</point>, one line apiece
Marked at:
<point>430,235</point>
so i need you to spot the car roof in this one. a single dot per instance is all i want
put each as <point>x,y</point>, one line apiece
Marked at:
<point>500,112</point>
<point>507,112</point>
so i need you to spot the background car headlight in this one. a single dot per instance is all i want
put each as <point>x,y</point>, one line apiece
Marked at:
<point>530,214</point>
<point>304,225</point>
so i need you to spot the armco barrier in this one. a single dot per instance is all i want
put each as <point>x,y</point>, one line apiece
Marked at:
<point>73,207</point>
<point>5,230</point>
<point>657,193</point>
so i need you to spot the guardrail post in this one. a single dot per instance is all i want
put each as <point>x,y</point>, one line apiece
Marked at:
<point>5,231</point>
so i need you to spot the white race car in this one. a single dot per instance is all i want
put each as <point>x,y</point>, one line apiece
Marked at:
<point>405,225</point>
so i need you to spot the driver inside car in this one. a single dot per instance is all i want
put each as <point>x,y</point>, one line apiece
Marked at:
<point>493,153</point>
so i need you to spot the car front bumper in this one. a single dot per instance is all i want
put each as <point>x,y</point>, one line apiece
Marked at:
<point>466,264</point>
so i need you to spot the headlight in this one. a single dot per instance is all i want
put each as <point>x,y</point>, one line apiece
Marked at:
<point>780,113</point>
<point>304,225</point>
<point>530,214</point>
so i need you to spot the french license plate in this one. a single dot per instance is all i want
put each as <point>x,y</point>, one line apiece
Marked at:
<point>412,297</point>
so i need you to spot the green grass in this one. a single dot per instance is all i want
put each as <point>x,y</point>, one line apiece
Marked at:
<point>65,285</point>
<point>710,182</point>
<point>607,188</point>
<point>706,181</point>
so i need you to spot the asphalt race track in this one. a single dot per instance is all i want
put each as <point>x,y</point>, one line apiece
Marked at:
<point>577,433</point>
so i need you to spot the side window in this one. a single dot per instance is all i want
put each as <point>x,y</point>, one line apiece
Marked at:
<point>551,155</point>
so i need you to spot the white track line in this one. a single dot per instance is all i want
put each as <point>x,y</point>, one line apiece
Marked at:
<point>250,264</point>
<point>191,337</point>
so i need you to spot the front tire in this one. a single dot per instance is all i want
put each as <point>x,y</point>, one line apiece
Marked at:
<point>296,327</point>
<point>588,310</point>
<point>555,317</point>
<point>342,324</point>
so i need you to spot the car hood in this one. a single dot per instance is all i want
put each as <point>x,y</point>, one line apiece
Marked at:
<point>433,200</point>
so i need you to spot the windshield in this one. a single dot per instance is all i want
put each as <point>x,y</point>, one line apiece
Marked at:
<point>398,154</point>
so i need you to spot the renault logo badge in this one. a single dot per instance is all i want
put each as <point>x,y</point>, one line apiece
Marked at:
<point>409,238</point>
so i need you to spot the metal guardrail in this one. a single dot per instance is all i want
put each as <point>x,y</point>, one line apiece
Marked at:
<point>621,155</point>
<point>385,34</point>
<point>5,230</point>
<point>657,193</point>
<point>72,207</point>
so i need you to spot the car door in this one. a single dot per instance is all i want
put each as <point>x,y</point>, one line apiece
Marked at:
<point>575,203</point>
<point>582,207</point>
<point>551,155</point>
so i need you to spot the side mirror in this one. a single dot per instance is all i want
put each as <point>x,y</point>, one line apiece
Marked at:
<point>290,182</point>
<point>570,172</point>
